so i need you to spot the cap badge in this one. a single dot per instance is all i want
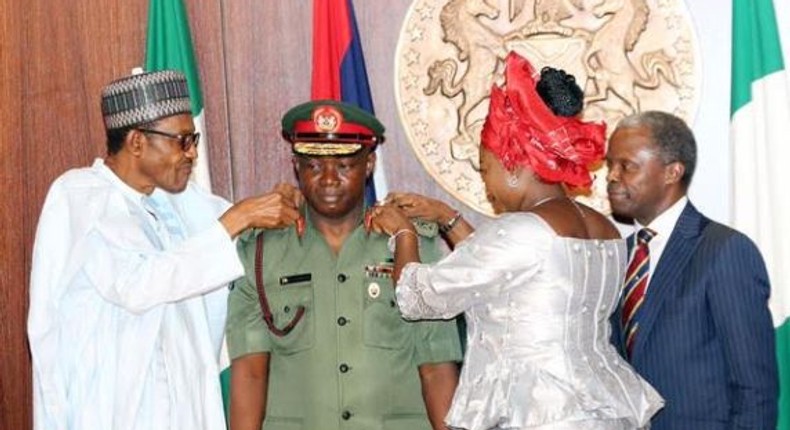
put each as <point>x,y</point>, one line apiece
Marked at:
<point>327,119</point>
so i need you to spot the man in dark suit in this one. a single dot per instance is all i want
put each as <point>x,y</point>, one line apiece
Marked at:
<point>693,318</point>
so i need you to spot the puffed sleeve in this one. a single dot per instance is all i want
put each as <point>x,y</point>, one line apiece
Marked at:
<point>501,254</point>
<point>437,341</point>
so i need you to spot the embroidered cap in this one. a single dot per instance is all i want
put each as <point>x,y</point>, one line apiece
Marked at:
<point>330,128</point>
<point>143,98</point>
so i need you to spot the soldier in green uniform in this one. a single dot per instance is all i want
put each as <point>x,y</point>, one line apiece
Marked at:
<point>314,333</point>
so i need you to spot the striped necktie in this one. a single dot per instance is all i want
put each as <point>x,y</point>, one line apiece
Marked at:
<point>636,276</point>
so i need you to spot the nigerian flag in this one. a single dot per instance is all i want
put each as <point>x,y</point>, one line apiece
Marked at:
<point>760,140</point>
<point>169,46</point>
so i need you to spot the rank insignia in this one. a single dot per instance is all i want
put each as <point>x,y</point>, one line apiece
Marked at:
<point>383,270</point>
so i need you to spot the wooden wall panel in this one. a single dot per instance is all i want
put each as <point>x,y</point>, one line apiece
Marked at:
<point>268,66</point>
<point>55,58</point>
<point>14,248</point>
<point>72,50</point>
<point>207,25</point>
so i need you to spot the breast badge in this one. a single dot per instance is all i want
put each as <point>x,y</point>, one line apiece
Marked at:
<point>627,55</point>
<point>374,290</point>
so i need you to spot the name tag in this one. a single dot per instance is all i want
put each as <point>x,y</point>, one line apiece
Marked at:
<point>295,279</point>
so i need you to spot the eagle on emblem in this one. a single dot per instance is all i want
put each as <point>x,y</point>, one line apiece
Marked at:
<point>327,119</point>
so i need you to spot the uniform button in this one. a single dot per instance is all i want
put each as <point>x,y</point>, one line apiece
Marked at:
<point>342,277</point>
<point>346,415</point>
<point>392,303</point>
<point>287,309</point>
<point>344,368</point>
<point>342,321</point>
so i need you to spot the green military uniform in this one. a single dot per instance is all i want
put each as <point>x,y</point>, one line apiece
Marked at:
<point>350,362</point>
<point>340,355</point>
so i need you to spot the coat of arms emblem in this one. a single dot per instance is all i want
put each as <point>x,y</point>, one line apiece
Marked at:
<point>628,56</point>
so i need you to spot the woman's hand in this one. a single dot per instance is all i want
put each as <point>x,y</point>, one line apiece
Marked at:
<point>391,220</point>
<point>387,219</point>
<point>422,207</point>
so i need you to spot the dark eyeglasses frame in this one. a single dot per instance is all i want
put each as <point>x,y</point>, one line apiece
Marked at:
<point>186,141</point>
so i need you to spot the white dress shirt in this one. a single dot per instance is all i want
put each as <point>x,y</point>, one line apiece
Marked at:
<point>663,225</point>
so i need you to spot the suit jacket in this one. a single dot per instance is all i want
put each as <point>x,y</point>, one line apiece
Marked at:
<point>706,340</point>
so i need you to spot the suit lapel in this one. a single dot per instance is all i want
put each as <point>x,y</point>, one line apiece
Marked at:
<point>665,277</point>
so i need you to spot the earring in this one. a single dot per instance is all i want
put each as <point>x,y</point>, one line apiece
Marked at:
<point>512,181</point>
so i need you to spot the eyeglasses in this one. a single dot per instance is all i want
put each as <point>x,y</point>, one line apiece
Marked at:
<point>187,141</point>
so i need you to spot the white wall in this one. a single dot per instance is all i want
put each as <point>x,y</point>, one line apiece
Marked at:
<point>711,189</point>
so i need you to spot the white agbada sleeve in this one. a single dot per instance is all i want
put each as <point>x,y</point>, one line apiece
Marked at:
<point>90,238</point>
<point>137,278</point>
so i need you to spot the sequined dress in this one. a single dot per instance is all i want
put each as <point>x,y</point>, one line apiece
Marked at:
<point>537,308</point>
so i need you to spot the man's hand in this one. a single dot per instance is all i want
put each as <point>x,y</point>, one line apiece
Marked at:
<point>439,381</point>
<point>276,209</point>
<point>249,386</point>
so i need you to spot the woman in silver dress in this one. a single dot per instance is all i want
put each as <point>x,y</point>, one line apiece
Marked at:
<point>536,285</point>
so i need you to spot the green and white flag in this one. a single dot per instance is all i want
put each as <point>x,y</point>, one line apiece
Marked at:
<point>169,46</point>
<point>760,141</point>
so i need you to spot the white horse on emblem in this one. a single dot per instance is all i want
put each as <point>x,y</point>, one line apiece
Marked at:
<point>607,58</point>
<point>478,46</point>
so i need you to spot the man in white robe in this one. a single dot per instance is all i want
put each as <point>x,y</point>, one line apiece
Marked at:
<point>130,267</point>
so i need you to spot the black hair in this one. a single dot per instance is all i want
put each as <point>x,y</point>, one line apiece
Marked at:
<point>116,137</point>
<point>560,92</point>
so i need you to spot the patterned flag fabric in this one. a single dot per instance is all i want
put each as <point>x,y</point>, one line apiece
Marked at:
<point>339,69</point>
<point>169,46</point>
<point>759,130</point>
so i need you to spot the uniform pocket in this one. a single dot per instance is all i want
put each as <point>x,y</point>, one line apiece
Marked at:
<point>285,302</point>
<point>384,327</point>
